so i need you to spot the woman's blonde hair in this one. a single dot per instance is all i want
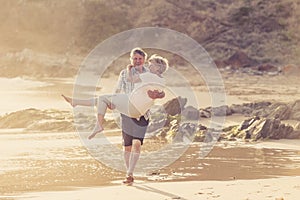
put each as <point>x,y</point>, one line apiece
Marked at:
<point>162,62</point>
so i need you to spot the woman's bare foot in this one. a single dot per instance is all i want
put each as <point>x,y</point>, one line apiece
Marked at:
<point>96,130</point>
<point>69,100</point>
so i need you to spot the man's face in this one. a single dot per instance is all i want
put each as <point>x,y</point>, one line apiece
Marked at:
<point>137,60</point>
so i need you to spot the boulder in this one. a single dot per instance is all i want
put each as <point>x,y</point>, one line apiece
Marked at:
<point>175,106</point>
<point>191,113</point>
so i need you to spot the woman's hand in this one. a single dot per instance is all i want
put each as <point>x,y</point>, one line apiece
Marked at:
<point>130,77</point>
<point>111,106</point>
<point>155,94</point>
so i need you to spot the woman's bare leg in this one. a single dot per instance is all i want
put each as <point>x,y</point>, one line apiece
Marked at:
<point>69,100</point>
<point>80,102</point>
<point>99,126</point>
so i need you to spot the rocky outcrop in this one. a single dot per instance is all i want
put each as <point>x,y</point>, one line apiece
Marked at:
<point>264,122</point>
<point>241,62</point>
<point>265,128</point>
<point>224,28</point>
<point>283,111</point>
<point>49,121</point>
<point>34,119</point>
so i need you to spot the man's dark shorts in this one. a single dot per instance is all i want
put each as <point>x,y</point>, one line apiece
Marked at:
<point>133,129</point>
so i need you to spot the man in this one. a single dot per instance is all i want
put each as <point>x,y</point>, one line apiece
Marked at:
<point>133,130</point>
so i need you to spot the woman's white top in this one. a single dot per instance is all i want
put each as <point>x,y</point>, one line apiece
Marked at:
<point>139,96</point>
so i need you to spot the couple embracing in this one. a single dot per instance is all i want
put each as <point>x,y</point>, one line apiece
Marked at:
<point>137,88</point>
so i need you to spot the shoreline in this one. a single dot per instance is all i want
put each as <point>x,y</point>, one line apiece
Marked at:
<point>217,184</point>
<point>280,188</point>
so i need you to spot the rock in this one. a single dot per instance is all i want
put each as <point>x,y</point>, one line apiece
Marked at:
<point>283,131</point>
<point>204,113</point>
<point>246,133</point>
<point>271,128</point>
<point>175,106</point>
<point>38,120</point>
<point>187,131</point>
<point>220,63</point>
<point>297,126</point>
<point>281,111</point>
<point>267,68</point>
<point>220,111</point>
<point>248,122</point>
<point>293,135</point>
<point>262,130</point>
<point>295,111</point>
<point>155,125</point>
<point>240,59</point>
<point>240,109</point>
<point>250,108</point>
<point>201,127</point>
<point>191,113</point>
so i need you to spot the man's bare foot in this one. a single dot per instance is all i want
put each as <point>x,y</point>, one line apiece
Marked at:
<point>96,130</point>
<point>69,100</point>
<point>128,180</point>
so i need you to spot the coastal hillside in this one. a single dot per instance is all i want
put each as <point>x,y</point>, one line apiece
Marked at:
<point>65,31</point>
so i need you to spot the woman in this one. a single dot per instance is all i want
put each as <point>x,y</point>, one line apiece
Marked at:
<point>135,104</point>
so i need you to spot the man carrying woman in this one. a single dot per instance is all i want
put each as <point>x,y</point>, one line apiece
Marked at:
<point>139,87</point>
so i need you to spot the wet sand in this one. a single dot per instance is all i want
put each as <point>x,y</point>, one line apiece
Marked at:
<point>59,161</point>
<point>269,189</point>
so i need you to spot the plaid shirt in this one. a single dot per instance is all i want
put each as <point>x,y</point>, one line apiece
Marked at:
<point>125,86</point>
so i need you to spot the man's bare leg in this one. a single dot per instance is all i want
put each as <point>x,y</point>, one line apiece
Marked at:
<point>127,153</point>
<point>134,157</point>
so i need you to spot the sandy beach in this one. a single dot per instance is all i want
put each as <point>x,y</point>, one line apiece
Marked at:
<point>57,165</point>
<point>282,188</point>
